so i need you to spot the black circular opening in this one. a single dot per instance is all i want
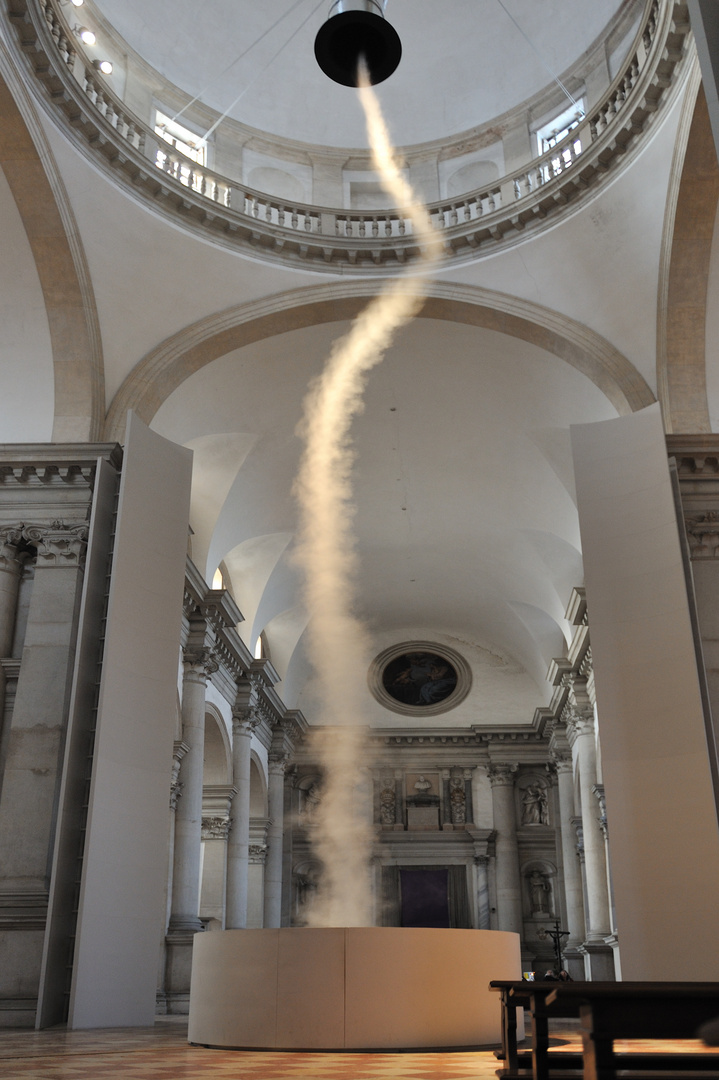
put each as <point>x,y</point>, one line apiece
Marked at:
<point>344,38</point>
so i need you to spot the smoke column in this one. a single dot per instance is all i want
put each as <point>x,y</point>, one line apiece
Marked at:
<point>339,645</point>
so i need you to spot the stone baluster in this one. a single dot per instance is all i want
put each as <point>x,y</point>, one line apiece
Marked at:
<point>199,663</point>
<point>275,837</point>
<point>573,890</point>
<point>244,721</point>
<point>599,963</point>
<point>509,885</point>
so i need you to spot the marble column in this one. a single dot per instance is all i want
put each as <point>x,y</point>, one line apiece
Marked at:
<point>178,752</point>
<point>34,742</point>
<point>481,863</point>
<point>256,877</point>
<point>199,663</point>
<point>509,885</point>
<point>216,803</point>
<point>275,837</point>
<point>599,962</point>
<point>11,563</point>
<point>244,722</point>
<point>573,891</point>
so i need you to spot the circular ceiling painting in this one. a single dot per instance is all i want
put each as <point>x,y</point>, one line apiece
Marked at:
<point>419,678</point>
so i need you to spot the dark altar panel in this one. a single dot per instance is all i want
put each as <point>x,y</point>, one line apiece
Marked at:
<point>427,896</point>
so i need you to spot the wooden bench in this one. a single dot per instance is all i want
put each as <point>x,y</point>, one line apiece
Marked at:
<point>607,1011</point>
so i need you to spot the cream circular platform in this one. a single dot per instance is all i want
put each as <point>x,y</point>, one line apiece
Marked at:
<point>349,988</point>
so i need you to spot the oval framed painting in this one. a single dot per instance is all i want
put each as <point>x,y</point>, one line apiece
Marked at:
<point>419,678</point>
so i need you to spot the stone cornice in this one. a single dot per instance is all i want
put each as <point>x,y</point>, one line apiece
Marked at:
<point>333,240</point>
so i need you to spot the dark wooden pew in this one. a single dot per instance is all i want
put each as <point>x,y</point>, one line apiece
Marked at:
<point>608,1011</point>
<point>639,1010</point>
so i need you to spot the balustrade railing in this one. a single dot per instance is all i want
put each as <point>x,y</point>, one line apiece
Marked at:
<point>336,237</point>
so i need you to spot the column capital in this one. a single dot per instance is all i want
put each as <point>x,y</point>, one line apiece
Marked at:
<point>200,661</point>
<point>245,719</point>
<point>258,853</point>
<point>11,537</point>
<point>277,764</point>
<point>481,860</point>
<point>216,828</point>
<point>703,534</point>
<point>502,774</point>
<point>58,543</point>
<point>579,722</point>
<point>561,760</point>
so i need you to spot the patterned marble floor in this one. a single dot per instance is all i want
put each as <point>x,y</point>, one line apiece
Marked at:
<point>162,1053</point>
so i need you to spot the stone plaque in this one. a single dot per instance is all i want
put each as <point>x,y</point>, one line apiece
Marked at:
<point>422,817</point>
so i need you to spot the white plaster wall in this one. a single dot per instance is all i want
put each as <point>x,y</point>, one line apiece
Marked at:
<point>661,808</point>
<point>122,899</point>
<point>27,400</point>
<point>712,332</point>
<point>469,54</point>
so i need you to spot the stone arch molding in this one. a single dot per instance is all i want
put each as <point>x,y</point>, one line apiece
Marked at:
<point>44,207</point>
<point>164,369</point>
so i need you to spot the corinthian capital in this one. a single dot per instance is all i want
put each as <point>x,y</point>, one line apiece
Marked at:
<point>703,535</point>
<point>10,538</point>
<point>501,774</point>
<point>245,719</point>
<point>579,722</point>
<point>562,760</point>
<point>201,661</point>
<point>59,543</point>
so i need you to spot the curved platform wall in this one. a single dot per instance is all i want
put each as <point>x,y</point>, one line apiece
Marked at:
<point>349,988</point>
